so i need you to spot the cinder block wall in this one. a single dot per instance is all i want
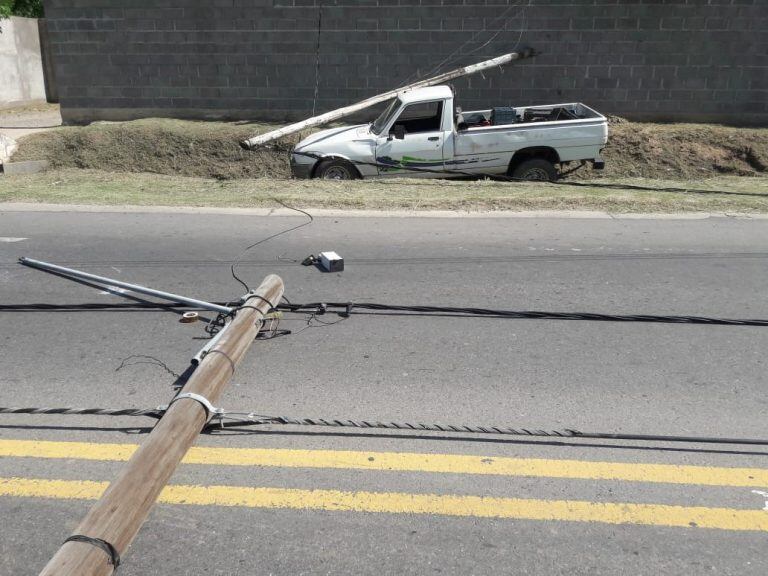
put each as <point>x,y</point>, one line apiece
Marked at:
<point>669,60</point>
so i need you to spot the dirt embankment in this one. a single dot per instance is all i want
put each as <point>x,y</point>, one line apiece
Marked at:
<point>683,151</point>
<point>211,149</point>
<point>161,146</point>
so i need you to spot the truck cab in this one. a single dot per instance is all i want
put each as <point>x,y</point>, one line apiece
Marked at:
<point>416,131</point>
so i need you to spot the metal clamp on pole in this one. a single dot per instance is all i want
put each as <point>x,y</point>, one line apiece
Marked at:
<point>210,409</point>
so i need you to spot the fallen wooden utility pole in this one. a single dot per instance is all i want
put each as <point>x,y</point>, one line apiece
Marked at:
<point>112,523</point>
<point>346,111</point>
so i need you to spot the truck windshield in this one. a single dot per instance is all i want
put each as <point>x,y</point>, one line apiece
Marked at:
<point>385,117</point>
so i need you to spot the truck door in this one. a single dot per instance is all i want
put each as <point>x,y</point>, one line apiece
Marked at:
<point>423,135</point>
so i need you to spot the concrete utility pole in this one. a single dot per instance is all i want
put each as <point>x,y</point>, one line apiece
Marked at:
<point>333,115</point>
<point>117,517</point>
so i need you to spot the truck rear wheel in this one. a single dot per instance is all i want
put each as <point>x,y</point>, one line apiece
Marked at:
<point>535,169</point>
<point>336,170</point>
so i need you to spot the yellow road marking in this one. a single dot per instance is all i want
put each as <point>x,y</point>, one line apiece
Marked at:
<point>408,462</point>
<point>402,503</point>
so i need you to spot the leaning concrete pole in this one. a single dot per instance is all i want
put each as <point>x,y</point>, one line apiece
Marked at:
<point>117,517</point>
<point>339,113</point>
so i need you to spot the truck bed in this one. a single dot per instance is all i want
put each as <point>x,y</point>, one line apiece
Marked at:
<point>483,119</point>
<point>575,131</point>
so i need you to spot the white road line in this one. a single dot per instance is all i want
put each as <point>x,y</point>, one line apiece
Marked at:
<point>9,239</point>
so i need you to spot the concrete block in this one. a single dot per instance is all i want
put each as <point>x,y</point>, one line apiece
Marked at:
<point>7,148</point>
<point>21,64</point>
<point>25,167</point>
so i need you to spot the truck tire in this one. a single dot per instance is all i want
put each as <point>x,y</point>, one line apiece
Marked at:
<point>335,169</point>
<point>535,169</point>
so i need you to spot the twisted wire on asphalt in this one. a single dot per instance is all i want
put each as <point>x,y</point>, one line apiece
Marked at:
<point>250,418</point>
<point>349,307</point>
<point>253,419</point>
<point>150,413</point>
<point>224,419</point>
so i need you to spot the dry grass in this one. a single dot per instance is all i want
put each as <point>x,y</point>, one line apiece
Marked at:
<point>211,150</point>
<point>70,186</point>
<point>683,151</point>
<point>160,146</point>
<point>185,163</point>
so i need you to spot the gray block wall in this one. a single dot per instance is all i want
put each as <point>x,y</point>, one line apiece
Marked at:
<point>666,60</point>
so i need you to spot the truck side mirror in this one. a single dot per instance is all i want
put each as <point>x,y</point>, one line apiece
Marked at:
<point>398,130</point>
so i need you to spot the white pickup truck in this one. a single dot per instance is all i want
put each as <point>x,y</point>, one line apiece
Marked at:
<point>420,134</point>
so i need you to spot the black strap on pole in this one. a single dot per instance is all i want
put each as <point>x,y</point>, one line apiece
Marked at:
<point>106,547</point>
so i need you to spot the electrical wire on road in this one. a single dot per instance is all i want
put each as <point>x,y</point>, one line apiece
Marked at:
<point>150,413</point>
<point>232,419</point>
<point>239,257</point>
<point>345,309</point>
<point>135,359</point>
<point>218,322</point>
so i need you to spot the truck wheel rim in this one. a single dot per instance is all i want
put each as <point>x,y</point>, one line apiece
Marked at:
<point>536,174</point>
<point>336,173</point>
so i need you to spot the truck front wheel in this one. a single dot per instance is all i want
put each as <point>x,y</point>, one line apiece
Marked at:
<point>535,169</point>
<point>336,170</point>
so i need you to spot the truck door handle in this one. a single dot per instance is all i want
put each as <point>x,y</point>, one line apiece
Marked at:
<point>433,138</point>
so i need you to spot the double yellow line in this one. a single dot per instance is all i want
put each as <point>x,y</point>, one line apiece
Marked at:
<point>446,505</point>
<point>406,462</point>
<point>400,503</point>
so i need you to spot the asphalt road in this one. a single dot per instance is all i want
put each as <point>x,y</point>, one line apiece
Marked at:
<point>358,501</point>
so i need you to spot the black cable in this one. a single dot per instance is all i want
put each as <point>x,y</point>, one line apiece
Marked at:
<point>106,547</point>
<point>456,54</point>
<point>347,308</point>
<point>149,413</point>
<point>146,359</point>
<point>501,430</point>
<point>317,55</point>
<point>314,322</point>
<point>226,419</point>
<point>236,261</point>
